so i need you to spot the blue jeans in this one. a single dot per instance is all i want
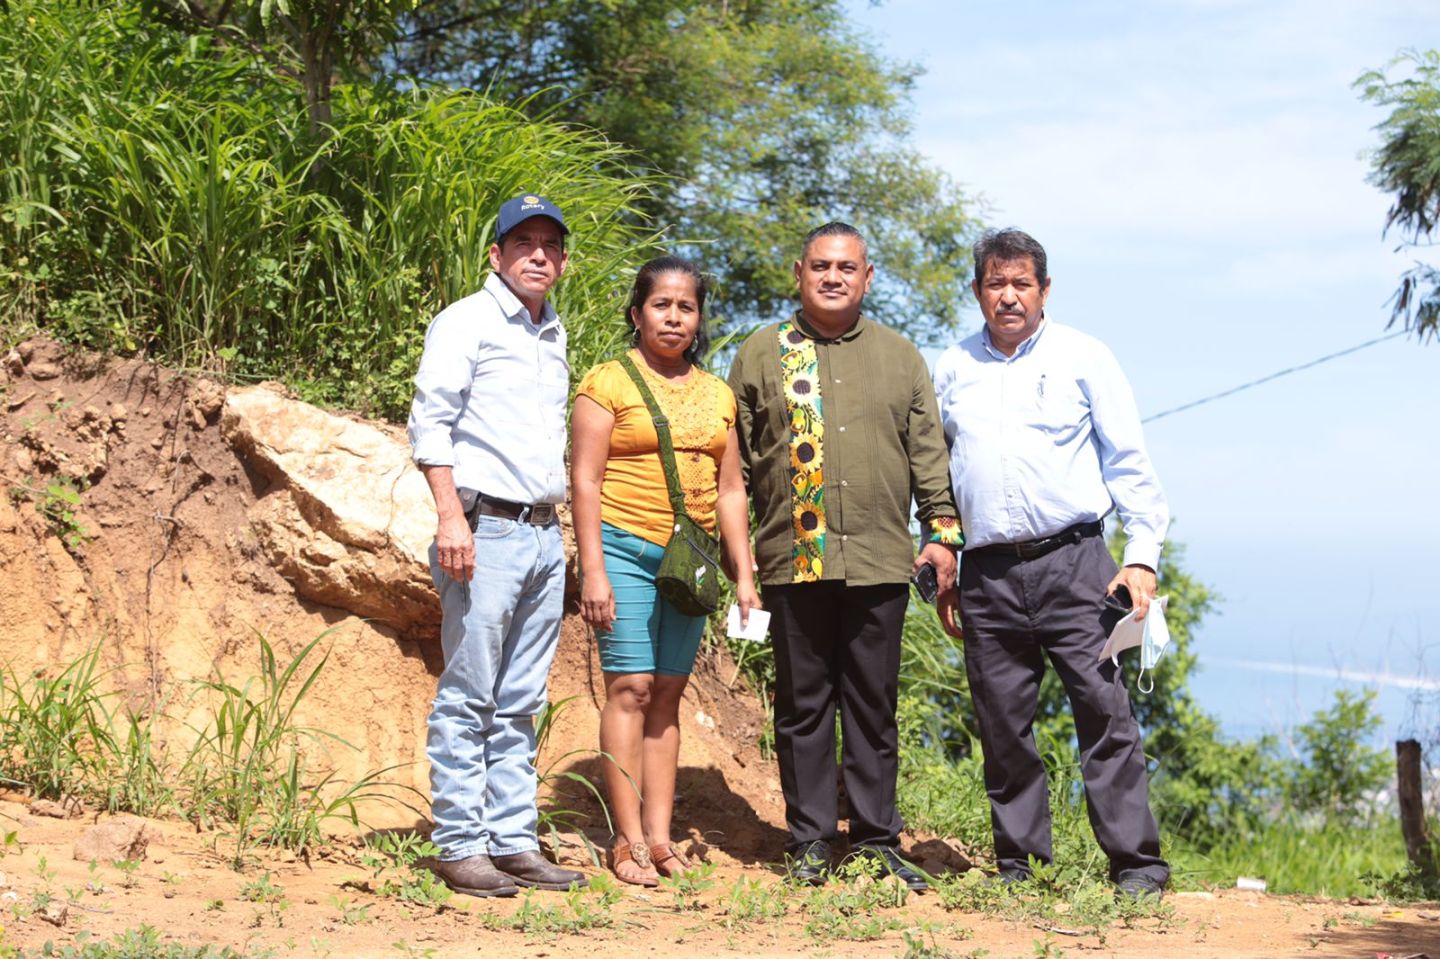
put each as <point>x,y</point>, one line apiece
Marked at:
<point>648,635</point>
<point>499,633</point>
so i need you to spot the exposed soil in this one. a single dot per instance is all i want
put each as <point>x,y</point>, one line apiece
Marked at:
<point>190,894</point>
<point>167,579</point>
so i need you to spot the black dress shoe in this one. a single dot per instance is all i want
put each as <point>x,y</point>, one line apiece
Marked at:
<point>887,861</point>
<point>1140,886</point>
<point>809,863</point>
<point>474,876</point>
<point>534,870</point>
<point>1012,876</point>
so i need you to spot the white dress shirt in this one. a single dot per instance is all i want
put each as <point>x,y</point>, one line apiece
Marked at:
<point>1045,439</point>
<point>490,397</point>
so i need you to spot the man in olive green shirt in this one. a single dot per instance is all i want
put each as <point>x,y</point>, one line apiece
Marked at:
<point>838,430</point>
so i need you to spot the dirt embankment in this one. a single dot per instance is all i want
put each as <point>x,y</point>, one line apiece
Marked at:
<point>183,548</point>
<point>169,562</point>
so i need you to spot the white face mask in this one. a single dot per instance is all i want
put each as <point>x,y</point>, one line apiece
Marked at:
<point>1152,643</point>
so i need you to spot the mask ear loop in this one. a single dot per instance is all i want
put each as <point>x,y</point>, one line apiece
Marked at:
<point>1140,682</point>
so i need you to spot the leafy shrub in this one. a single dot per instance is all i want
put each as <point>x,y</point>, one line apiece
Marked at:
<point>164,193</point>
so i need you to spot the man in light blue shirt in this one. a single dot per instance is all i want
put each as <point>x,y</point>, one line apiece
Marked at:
<point>487,428</point>
<point>1045,441</point>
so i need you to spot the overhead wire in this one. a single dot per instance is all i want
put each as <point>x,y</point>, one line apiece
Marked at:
<point>1273,376</point>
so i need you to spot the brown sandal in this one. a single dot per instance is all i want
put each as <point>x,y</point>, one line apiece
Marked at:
<point>664,852</point>
<point>639,854</point>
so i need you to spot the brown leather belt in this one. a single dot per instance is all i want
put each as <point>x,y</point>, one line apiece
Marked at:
<point>1035,548</point>
<point>537,514</point>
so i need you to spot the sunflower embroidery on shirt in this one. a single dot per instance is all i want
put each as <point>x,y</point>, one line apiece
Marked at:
<point>800,376</point>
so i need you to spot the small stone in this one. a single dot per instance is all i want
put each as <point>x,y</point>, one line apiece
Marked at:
<point>207,399</point>
<point>44,371</point>
<point>118,413</point>
<point>144,411</point>
<point>64,809</point>
<point>14,362</point>
<point>123,837</point>
<point>55,913</point>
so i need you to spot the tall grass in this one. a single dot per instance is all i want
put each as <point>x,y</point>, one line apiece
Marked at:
<point>247,766</point>
<point>1293,856</point>
<point>164,193</point>
<point>55,731</point>
<point>251,770</point>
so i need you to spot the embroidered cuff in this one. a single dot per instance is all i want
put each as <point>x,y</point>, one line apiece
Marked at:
<point>946,531</point>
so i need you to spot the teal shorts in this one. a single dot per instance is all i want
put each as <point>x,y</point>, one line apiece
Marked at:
<point>648,635</point>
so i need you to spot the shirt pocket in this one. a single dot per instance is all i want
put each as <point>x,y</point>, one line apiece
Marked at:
<point>1058,408</point>
<point>554,388</point>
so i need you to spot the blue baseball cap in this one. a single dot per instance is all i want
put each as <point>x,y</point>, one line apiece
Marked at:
<point>517,211</point>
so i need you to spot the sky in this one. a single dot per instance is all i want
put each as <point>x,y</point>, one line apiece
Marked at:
<point>1196,171</point>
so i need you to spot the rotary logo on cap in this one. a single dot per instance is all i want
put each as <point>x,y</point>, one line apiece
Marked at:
<point>521,208</point>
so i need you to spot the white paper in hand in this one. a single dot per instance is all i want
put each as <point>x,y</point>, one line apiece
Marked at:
<point>1130,632</point>
<point>755,630</point>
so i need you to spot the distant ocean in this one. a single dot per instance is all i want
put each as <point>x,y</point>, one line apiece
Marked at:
<point>1254,697</point>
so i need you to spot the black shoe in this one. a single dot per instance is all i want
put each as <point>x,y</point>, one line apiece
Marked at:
<point>534,870</point>
<point>1140,887</point>
<point>809,864</point>
<point>888,860</point>
<point>1012,876</point>
<point>474,876</point>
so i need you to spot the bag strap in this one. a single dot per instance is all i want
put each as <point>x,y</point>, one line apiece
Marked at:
<point>662,431</point>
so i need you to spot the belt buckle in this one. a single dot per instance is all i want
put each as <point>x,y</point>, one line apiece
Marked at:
<point>541,514</point>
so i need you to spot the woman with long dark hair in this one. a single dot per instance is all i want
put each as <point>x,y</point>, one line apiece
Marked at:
<point>623,521</point>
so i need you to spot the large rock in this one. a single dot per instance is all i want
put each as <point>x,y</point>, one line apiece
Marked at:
<point>347,519</point>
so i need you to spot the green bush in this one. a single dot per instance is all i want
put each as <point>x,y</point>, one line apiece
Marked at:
<point>164,193</point>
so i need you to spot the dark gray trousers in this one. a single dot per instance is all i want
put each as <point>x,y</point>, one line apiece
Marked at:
<point>1016,613</point>
<point>838,645</point>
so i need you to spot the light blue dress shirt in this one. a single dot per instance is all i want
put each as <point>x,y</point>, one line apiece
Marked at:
<point>1045,439</point>
<point>490,398</point>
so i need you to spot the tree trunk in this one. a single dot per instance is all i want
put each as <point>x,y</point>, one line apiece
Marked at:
<point>1412,808</point>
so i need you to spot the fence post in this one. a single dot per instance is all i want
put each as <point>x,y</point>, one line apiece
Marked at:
<point>1412,807</point>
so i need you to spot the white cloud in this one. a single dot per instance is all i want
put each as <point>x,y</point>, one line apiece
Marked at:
<point>1195,122</point>
<point>1360,676</point>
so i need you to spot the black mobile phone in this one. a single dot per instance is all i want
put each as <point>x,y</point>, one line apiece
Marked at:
<point>927,583</point>
<point>1120,600</point>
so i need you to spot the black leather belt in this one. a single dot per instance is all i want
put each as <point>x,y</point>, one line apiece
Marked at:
<point>537,514</point>
<point>1039,547</point>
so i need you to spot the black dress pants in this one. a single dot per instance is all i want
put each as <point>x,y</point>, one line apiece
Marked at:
<point>1016,613</point>
<point>837,645</point>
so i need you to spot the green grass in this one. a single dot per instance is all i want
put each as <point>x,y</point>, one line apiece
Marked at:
<point>250,773</point>
<point>247,766</point>
<point>164,193</point>
<point>570,913</point>
<point>393,858</point>
<point>140,943</point>
<point>55,731</point>
<point>1316,859</point>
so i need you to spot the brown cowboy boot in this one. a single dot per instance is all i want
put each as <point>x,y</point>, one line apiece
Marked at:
<point>474,876</point>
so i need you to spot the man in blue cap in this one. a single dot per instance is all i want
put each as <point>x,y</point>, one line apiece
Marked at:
<point>487,428</point>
